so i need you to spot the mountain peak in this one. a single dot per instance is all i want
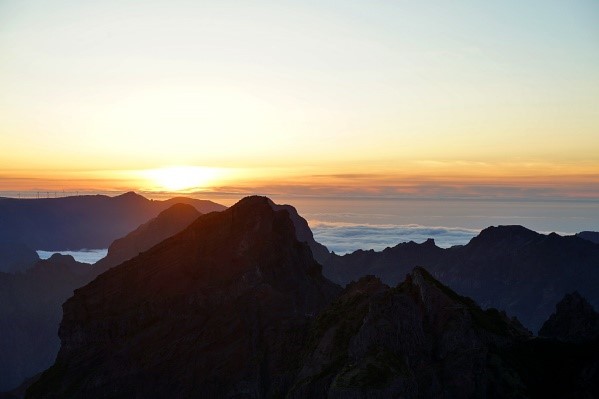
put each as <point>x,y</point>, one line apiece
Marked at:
<point>235,292</point>
<point>574,320</point>
<point>130,195</point>
<point>500,236</point>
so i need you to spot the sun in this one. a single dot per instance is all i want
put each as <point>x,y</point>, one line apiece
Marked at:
<point>181,178</point>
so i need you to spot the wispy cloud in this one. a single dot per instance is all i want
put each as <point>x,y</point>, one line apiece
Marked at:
<point>345,237</point>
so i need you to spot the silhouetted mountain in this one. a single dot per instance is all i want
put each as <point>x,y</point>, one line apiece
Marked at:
<point>166,224</point>
<point>91,221</point>
<point>235,306</point>
<point>16,257</point>
<point>219,310</point>
<point>592,236</point>
<point>575,320</point>
<point>30,312</point>
<point>506,267</point>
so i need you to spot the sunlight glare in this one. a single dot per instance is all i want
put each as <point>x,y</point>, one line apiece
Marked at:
<point>181,178</point>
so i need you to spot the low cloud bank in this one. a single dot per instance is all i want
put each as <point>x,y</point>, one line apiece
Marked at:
<point>85,255</point>
<point>344,238</point>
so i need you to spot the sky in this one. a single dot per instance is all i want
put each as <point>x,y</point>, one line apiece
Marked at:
<point>456,99</point>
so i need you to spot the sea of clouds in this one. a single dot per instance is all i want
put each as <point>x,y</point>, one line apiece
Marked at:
<point>84,255</point>
<point>344,238</point>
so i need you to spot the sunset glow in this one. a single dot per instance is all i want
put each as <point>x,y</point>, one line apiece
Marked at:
<point>180,178</point>
<point>396,98</point>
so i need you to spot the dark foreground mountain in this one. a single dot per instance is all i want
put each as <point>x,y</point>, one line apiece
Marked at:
<point>167,223</point>
<point>506,267</point>
<point>221,309</point>
<point>30,312</point>
<point>574,320</point>
<point>31,302</point>
<point>91,221</point>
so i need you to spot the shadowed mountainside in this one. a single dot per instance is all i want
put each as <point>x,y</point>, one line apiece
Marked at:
<point>506,267</point>
<point>417,340</point>
<point>91,221</point>
<point>221,309</point>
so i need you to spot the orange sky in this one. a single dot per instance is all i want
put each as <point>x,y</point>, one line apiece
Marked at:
<point>383,98</point>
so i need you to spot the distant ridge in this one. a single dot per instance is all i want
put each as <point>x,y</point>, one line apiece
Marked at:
<point>90,221</point>
<point>169,222</point>
<point>592,236</point>
<point>506,267</point>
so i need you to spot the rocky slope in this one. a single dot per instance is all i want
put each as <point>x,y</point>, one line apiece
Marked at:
<point>417,340</point>
<point>221,309</point>
<point>574,320</point>
<point>167,223</point>
<point>506,267</point>
<point>91,221</point>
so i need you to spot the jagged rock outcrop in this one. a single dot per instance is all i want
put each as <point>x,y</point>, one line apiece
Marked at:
<point>30,312</point>
<point>574,320</point>
<point>506,267</point>
<point>418,340</point>
<point>87,221</point>
<point>166,224</point>
<point>221,309</point>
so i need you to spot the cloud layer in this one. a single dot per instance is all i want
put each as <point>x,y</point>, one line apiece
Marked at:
<point>85,255</point>
<point>344,237</point>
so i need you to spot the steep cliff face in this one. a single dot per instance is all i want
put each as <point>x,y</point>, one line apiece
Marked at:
<point>166,224</point>
<point>219,310</point>
<point>303,232</point>
<point>574,320</point>
<point>418,340</point>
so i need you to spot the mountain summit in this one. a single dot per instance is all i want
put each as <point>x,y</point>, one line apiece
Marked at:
<point>220,309</point>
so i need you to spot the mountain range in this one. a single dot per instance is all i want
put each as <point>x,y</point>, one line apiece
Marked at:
<point>511,268</point>
<point>30,310</point>
<point>90,221</point>
<point>236,306</point>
